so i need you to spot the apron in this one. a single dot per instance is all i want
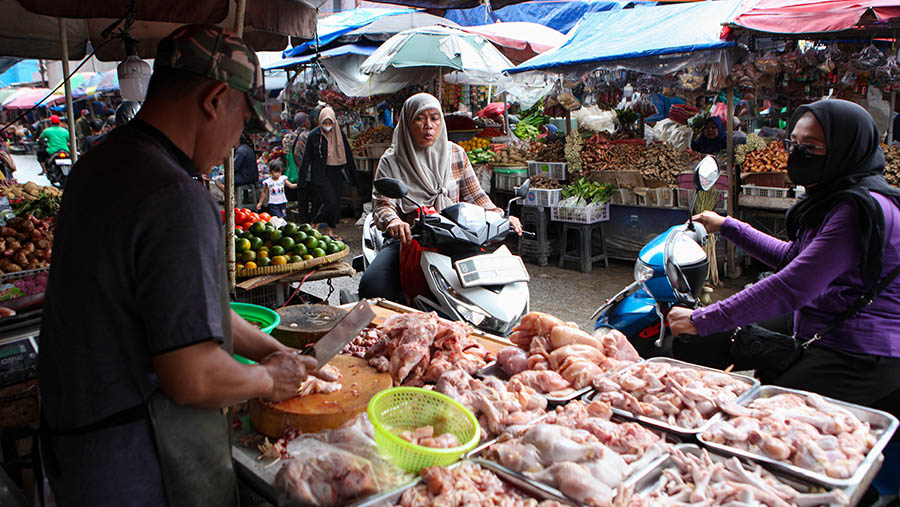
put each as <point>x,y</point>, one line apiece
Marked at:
<point>194,444</point>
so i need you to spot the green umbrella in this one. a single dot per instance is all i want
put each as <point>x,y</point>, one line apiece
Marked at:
<point>440,47</point>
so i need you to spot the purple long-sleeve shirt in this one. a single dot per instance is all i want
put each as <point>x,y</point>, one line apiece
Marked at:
<point>821,280</point>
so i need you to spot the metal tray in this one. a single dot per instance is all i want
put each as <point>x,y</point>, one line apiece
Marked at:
<point>679,430</point>
<point>644,482</point>
<point>527,486</point>
<point>493,369</point>
<point>883,426</point>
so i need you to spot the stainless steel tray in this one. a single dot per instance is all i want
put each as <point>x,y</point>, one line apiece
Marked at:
<point>680,430</point>
<point>526,485</point>
<point>493,369</point>
<point>647,480</point>
<point>883,425</point>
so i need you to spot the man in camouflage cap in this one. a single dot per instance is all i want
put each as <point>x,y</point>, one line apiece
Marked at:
<point>136,342</point>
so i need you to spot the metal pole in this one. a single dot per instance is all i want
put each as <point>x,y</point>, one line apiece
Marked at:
<point>63,41</point>
<point>732,182</point>
<point>240,9</point>
<point>890,132</point>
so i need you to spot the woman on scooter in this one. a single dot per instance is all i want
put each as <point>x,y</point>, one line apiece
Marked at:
<point>436,172</point>
<point>844,239</point>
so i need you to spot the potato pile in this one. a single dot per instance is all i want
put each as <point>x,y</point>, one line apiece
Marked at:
<point>28,192</point>
<point>25,244</point>
<point>511,156</point>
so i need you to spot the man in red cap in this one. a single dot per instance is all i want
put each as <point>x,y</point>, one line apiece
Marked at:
<point>57,140</point>
<point>137,336</point>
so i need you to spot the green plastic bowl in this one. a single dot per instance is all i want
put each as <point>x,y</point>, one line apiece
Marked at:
<point>267,319</point>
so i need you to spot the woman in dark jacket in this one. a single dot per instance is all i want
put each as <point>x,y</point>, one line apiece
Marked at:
<point>329,157</point>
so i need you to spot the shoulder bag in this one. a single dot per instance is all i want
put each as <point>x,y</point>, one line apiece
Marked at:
<point>754,347</point>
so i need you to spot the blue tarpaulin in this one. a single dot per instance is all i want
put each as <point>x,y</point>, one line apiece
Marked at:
<point>639,33</point>
<point>22,72</point>
<point>560,15</point>
<point>331,27</point>
<point>348,49</point>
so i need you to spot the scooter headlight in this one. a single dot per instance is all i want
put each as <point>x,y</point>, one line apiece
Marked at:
<point>642,272</point>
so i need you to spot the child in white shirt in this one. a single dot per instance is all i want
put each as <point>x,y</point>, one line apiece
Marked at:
<point>274,189</point>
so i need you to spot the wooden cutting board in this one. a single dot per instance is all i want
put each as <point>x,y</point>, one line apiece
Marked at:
<point>318,412</point>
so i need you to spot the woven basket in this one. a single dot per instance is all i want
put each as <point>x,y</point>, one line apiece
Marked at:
<point>297,266</point>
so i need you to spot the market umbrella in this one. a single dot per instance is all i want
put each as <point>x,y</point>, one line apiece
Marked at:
<point>5,93</point>
<point>109,83</point>
<point>806,16</point>
<point>439,47</point>
<point>383,29</point>
<point>28,97</point>
<point>519,40</point>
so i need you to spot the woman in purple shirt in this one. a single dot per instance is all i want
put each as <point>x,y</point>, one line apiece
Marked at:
<point>844,238</point>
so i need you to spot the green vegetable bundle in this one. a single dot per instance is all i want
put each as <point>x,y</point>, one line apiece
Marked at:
<point>481,156</point>
<point>590,192</point>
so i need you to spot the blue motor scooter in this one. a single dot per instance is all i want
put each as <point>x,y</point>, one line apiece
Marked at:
<point>670,270</point>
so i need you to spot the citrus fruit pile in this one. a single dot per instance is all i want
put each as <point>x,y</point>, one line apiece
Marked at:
<point>259,243</point>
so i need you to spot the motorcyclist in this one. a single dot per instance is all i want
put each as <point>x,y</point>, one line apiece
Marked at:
<point>56,138</point>
<point>436,172</point>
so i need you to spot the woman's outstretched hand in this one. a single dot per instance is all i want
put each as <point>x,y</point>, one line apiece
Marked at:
<point>710,220</point>
<point>398,229</point>
<point>680,321</point>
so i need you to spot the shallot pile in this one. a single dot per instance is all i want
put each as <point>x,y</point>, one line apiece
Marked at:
<point>25,244</point>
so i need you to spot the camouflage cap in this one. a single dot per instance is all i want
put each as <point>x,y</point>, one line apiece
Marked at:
<point>218,54</point>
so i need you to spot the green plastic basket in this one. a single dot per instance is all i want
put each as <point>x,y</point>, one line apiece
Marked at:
<point>408,408</point>
<point>267,319</point>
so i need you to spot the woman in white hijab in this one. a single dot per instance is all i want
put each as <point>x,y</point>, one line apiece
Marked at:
<point>436,172</point>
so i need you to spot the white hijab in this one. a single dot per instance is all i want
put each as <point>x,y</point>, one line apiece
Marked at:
<point>427,172</point>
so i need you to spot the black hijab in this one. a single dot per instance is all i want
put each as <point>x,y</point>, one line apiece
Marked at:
<point>703,144</point>
<point>853,167</point>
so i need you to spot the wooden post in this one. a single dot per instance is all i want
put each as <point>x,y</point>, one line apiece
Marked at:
<point>890,131</point>
<point>731,204</point>
<point>70,112</point>
<point>230,256</point>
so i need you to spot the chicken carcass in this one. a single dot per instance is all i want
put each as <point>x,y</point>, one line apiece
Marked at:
<point>330,477</point>
<point>805,431</point>
<point>496,404</point>
<point>512,360</point>
<point>419,347</point>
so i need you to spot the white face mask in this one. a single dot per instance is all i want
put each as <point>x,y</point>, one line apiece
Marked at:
<point>327,128</point>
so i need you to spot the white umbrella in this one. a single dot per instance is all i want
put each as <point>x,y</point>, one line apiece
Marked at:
<point>439,47</point>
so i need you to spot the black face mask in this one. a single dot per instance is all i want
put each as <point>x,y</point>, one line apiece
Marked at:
<point>805,170</point>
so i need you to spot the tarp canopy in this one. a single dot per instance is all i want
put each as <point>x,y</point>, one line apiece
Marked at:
<point>333,26</point>
<point>348,49</point>
<point>15,71</point>
<point>519,40</point>
<point>384,28</point>
<point>446,4</point>
<point>805,16</point>
<point>611,39</point>
<point>30,28</point>
<point>560,15</point>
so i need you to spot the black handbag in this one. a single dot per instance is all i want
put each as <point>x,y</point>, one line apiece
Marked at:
<point>754,347</point>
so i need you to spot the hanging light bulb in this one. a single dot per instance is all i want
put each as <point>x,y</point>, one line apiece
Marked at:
<point>134,73</point>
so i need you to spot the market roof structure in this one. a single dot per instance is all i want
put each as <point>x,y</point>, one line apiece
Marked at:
<point>824,16</point>
<point>330,27</point>
<point>560,15</point>
<point>346,49</point>
<point>648,39</point>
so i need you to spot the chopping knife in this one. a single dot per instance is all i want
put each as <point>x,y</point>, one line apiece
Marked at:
<point>342,333</point>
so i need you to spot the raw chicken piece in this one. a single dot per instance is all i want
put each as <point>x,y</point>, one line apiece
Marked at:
<point>313,385</point>
<point>468,484</point>
<point>512,360</point>
<point>561,336</point>
<point>495,403</point>
<point>533,324</point>
<point>808,432</point>
<point>328,478</point>
<point>576,481</point>
<point>329,373</point>
<point>425,437</point>
<point>546,381</point>
<point>580,351</point>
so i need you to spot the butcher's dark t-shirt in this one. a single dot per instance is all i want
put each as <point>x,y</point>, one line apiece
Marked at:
<point>136,271</point>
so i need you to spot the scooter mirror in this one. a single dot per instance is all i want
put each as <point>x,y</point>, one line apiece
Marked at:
<point>523,189</point>
<point>390,187</point>
<point>706,173</point>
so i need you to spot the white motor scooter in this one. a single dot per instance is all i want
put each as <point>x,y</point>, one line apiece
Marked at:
<point>487,289</point>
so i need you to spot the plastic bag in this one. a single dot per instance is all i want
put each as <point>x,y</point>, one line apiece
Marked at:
<point>692,79</point>
<point>334,467</point>
<point>869,58</point>
<point>595,120</point>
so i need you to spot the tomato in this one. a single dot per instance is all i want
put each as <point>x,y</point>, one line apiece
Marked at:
<point>265,217</point>
<point>253,217</point>
<point>223,216</point>
<point>239,217</point>
<point>238,227</point>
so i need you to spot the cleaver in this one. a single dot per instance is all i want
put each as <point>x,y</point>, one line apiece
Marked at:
<point>342,333</point>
